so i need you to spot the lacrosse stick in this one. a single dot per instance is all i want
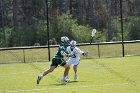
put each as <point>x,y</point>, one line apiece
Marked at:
<point>93,34</point>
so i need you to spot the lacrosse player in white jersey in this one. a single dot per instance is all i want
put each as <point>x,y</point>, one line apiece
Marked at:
<point>74,59</point>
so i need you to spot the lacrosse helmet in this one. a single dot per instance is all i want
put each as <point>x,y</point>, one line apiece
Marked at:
<point>73,44</point>
<point>65,39</point>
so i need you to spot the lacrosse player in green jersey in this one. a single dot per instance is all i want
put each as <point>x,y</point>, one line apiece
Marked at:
<point>58,60</point>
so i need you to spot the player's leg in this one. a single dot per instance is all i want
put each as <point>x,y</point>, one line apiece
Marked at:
<point>65,75</point>
<point>52,67</point>
<point>75,71</point>
<point>66,71</point>
<point>45,73</point>
<point>48,70</point>
<point>66,66</point>
<point>75,67</point>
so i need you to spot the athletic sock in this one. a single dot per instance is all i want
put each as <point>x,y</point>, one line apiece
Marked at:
<point>41,76</point>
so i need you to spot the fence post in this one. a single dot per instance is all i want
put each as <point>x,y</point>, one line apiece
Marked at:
<point>48,32</point>
<point>24,56</point>
<point>98,50</point>
<point>121,11</point>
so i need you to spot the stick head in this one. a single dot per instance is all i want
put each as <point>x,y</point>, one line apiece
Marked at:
<point>93,32</point>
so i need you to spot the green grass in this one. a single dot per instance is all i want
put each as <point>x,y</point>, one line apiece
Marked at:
<point>108,75</point>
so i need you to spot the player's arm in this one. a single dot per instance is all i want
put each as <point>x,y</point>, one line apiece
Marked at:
<point>82,52</point>
<point>64,52</point>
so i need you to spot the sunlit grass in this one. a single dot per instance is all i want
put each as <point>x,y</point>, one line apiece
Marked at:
<point>106,75</point>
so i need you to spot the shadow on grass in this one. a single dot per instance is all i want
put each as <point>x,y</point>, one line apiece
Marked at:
<point>65,83</point>
<point>62,83</point>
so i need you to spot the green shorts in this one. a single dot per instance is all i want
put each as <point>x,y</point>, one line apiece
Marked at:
<point>56,62</point>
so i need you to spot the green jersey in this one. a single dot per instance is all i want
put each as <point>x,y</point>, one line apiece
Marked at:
<point>58,58</point>
<point>60,51</point>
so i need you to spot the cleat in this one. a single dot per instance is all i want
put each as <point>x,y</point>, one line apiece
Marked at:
<point>75,77</point>
<point>38,79</point>
<point>66,79</point>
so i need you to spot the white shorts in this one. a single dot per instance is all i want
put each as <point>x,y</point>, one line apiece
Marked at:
<point>74,61</point>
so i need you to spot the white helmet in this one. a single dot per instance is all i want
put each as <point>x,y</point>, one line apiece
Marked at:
<point>65,39</point>
<point>73,43</point>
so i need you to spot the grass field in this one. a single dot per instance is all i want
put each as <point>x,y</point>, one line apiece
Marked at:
<point>107,75</point>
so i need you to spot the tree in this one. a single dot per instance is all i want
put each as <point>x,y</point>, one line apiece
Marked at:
<point>135,29</point>
<point>109,24</point>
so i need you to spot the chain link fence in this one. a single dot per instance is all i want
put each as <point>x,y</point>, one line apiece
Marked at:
<point>95,50</point>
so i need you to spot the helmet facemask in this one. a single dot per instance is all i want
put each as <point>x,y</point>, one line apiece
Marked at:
<point>65,40</point>
<point>72,44</point>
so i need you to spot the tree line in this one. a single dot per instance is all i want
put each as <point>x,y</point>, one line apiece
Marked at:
<point>23,22</point>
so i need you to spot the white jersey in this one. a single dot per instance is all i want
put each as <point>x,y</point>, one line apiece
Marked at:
<point>75,58</point>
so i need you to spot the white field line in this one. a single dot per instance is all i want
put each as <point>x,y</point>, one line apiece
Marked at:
<point>73,87</point>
